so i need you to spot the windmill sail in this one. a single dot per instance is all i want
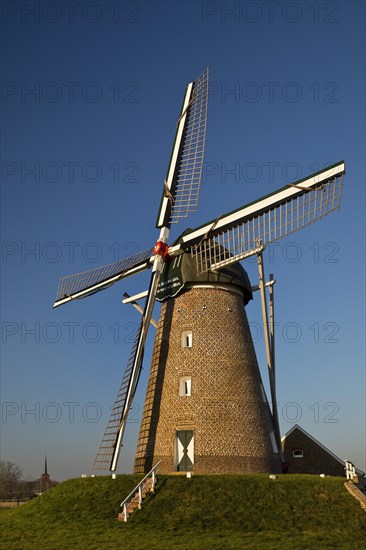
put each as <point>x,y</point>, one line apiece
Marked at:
<point>241,233</point>
<point>117,422</point>
<point>184,174</point>
<point>73,287</point>
<point>119,413</point>
<point>189,170</point>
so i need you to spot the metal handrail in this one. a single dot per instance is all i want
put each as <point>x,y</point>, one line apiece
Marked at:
<point>139,487</point>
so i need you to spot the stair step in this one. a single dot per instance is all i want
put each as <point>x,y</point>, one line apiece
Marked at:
<point>135,498</point>
<point>131,506</point>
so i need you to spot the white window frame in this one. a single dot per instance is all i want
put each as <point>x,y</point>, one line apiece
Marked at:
<point>298,455</point>
<point>187,339</point>
<point>185,386</point>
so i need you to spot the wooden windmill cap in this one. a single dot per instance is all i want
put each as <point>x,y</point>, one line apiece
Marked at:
<point>181,272</point>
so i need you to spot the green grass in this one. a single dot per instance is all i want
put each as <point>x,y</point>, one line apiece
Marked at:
<point>205,512</point>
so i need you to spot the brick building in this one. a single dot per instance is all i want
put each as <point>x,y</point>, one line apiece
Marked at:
<point>306,455</point>
<point>205,409</point>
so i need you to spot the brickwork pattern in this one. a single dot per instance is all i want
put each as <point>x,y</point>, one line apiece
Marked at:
<point>315,459</point>
<point>226,410</point>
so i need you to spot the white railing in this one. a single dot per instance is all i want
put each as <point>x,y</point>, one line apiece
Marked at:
<point>136,496</point>
<point>350,470</point>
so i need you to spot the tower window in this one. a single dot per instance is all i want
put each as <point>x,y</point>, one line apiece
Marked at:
<point>298,453</point>
<point>185,386</point>
<point>187,339</point>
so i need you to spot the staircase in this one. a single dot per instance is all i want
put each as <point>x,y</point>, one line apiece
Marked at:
<point>135,498</point>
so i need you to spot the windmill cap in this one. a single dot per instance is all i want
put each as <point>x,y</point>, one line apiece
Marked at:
<point>181,271</point>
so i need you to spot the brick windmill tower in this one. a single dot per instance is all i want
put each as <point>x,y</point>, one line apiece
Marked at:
<point>206,409</point>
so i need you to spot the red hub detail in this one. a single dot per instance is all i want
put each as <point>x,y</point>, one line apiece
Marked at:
<point>161,249</point>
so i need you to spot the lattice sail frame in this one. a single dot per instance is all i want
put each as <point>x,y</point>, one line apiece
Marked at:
<point>119,412</point>
<point>245,237</point>
<point>190,164</point>
<point>80,285</point>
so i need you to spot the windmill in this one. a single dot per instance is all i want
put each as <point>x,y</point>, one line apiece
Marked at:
<point>206,408</point>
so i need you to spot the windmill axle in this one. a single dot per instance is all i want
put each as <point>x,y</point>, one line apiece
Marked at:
<point>161,249</point>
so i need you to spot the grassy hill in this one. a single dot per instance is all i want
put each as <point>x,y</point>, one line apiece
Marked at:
<point>205,512</point>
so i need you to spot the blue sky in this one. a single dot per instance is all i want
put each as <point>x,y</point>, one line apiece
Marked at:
<point>90,99</point>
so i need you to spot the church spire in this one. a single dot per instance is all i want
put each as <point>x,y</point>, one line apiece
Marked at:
<point>45,465</point>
